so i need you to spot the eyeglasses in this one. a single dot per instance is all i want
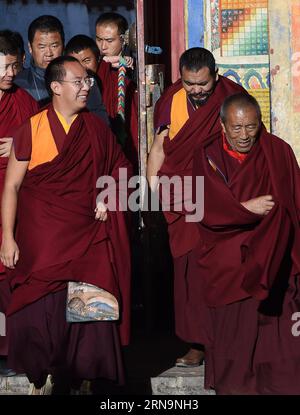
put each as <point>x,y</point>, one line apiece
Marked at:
<point>79,83</point>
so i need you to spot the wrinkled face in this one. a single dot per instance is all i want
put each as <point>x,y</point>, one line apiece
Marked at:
<point>198,85</point>
<point>45,47</point>
<point>108,39</point>
<point>241,127</point>
<point>72,92</point>
<point>9,67</point>
<point>87,58</point>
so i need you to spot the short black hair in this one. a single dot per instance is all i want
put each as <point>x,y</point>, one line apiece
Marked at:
<point>195,59</point>
<point>56,71</point>
<point>45,23</point>
<point>242,100</point>
<point>115,18</point>
<point>10,43</point>
<point>19,40</point>
<point>82,42</point>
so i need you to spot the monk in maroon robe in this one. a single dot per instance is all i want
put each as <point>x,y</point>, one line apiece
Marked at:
<point>249,256</point>
<point>16,105</point>
<point>109,83</point>
<point>58,156</point>
<point>186,114</point>
<point>111,33</point>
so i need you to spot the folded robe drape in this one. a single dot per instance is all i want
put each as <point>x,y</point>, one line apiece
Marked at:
<point>57,234</point>
<point>16,105</point>
<point>249,268</point>
<point>183,236</point>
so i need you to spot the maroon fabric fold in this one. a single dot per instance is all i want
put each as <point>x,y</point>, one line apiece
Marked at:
<point>109,89</point>
<point>57,234</point>
<point>248,269</point>
<point>240,253</point>
<point>42,343</point>
<point>16,106</point>
<point>179,154</point>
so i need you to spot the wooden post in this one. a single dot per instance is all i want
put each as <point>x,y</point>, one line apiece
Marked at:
<point>177,34</point>
<point>142,113</point>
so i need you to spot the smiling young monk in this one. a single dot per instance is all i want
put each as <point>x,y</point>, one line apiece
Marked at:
<point>57,158</point>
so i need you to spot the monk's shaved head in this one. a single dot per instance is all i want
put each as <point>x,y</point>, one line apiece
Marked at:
<point>241,101</point>
<point>56,71</point>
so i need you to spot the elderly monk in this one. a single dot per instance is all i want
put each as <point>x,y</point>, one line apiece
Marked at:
<point>185,114</point>
<point>249,255</point>
<point>57,158</point>
<point>16,105</point>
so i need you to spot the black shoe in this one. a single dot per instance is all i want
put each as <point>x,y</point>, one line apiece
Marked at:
<point>4,370</point>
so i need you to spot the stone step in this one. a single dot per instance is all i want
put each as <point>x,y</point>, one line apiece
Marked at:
<point>180,381</point>
<point>19,385</point>
<point>14,385</point>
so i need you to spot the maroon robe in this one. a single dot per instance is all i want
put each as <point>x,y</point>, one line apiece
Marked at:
<point>178,161</point>
<point>109,90</point>
<point>249,269</point>
<point>59,238</point>
<point>16,106</point>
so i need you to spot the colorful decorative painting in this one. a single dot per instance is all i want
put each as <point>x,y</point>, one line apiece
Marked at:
<point>256,80</point>
<point>244,27</point>
<point>237,32</point>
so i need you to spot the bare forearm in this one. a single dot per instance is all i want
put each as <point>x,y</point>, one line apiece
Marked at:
<point>156,159</point>
<point>155,162</point>
<point>8,211</point>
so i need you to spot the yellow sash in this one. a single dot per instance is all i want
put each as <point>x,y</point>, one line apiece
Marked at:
<point>179,112</point>
<point>43,144</point>
<point>63,121</point>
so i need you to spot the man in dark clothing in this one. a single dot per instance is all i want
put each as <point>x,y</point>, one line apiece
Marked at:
<point>46,42</point>
<point>85,50</point>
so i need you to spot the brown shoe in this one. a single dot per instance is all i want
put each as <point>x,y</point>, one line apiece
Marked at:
<point>193,358</point>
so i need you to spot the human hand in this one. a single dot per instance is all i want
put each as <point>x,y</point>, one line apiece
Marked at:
<point>6,146</point>
<point>129,62</point>
<point>260,205</point>
<point>163,131</point>
<point>9,253</point>
<point>115,61</point>
<point>101,212</point>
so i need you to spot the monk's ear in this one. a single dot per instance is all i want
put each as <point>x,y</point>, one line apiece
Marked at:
<point>29,48</point>
<point>223,127</point>
<point>217,74</point>
<point>56,87</point>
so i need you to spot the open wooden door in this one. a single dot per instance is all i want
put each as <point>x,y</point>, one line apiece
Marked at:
<point>156,276</point>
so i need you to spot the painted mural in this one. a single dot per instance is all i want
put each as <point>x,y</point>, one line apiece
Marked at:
<point>237,32</point>
<point>244,29</point>
<point>285,70</point>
